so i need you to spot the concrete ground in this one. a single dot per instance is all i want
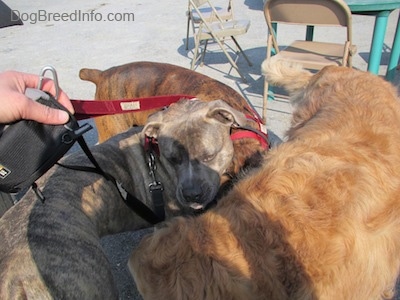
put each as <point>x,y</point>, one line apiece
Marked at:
<point>157,33</point>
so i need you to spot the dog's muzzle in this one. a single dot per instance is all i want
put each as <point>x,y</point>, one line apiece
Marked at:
<point>196,196</point>
<point>193,196</point>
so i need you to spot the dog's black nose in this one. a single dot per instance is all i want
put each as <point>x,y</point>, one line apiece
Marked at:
<point>192,194</point>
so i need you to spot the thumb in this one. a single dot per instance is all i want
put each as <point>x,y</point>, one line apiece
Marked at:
<point>45,114</point>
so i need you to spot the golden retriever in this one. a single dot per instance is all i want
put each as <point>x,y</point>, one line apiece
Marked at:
<point>319,220</point>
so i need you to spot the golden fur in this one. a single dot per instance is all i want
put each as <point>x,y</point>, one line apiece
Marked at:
<point>319,220</point>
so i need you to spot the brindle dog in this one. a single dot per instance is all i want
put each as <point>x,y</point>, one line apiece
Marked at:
<point>144,79</point>
<point>52,250</point>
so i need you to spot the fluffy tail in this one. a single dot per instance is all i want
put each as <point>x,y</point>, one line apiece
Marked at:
<point>288,75</point>
<point>92,75</point>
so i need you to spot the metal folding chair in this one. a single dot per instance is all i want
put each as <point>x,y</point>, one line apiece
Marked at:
<point>218,30</point>
<point>310,54</point>
<point>193,18</point>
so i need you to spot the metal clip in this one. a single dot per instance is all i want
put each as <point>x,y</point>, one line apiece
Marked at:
<point>55,80</point>
<point>152,166</point>
<point>155,185</point>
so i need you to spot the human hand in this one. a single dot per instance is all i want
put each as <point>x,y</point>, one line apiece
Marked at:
<point>14,105</point>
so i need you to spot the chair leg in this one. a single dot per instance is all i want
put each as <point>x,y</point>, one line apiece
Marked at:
<point>240,49</point>
<point>195,51</point>
<point>187,31</point>
<point>267,95</point>
<point>265,101</point>
<point>203,53</point>
<point>232,62</point>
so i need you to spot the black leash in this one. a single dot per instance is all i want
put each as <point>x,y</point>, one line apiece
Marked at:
<point>155,187</point>
<point>131,201</point>
<point>48,143</point>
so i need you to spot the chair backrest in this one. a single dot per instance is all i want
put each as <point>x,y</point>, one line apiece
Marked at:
<point>198,3</point>
<point>214,17</point>
<point>309,12</point>
<point>224,12</point>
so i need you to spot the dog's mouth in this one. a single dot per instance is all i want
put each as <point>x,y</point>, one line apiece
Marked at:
<point>198,203</point>
<point>196,206</point>
<point>196,190</point>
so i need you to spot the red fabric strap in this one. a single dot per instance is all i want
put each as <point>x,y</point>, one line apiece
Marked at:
<point>245,134</point>
<point>85,109</point>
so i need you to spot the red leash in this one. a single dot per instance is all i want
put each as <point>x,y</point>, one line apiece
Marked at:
<point>86,109</point>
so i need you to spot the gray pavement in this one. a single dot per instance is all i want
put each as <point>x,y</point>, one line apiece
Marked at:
<point>157,33</point>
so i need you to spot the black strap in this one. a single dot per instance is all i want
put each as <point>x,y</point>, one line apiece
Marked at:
<point>158,202</point>
<point>155,187</point>
<point>89,154</point>
<point>81,168</point>
<point>142,210</point>
<point>131,201</point>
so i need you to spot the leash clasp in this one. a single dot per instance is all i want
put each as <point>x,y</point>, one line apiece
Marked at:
<point>155,185</point>
<point>55,79</point>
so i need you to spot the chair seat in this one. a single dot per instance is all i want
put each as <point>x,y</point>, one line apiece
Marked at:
<point>314,55</point>
<point>229,28</point>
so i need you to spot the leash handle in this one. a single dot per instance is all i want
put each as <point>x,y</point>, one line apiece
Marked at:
<point>85,109</point>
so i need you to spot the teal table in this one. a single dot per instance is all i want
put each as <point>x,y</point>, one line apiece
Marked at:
<point>381,9</point>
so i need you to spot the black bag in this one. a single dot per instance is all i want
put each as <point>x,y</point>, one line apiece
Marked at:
<point>28,149</point>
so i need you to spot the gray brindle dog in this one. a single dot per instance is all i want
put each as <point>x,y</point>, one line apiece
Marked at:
<point>52,250</point>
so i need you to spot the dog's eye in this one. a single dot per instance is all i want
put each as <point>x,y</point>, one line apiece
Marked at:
<point>208,157</point>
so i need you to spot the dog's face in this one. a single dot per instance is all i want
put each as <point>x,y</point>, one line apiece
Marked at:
<point>194,138</point>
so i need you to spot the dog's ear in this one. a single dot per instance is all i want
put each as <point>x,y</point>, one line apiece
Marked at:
<point>225,114</point>
<point>153,124</point>
<point>151,129</point>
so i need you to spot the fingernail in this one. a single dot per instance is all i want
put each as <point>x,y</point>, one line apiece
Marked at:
<point>63,116</point>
